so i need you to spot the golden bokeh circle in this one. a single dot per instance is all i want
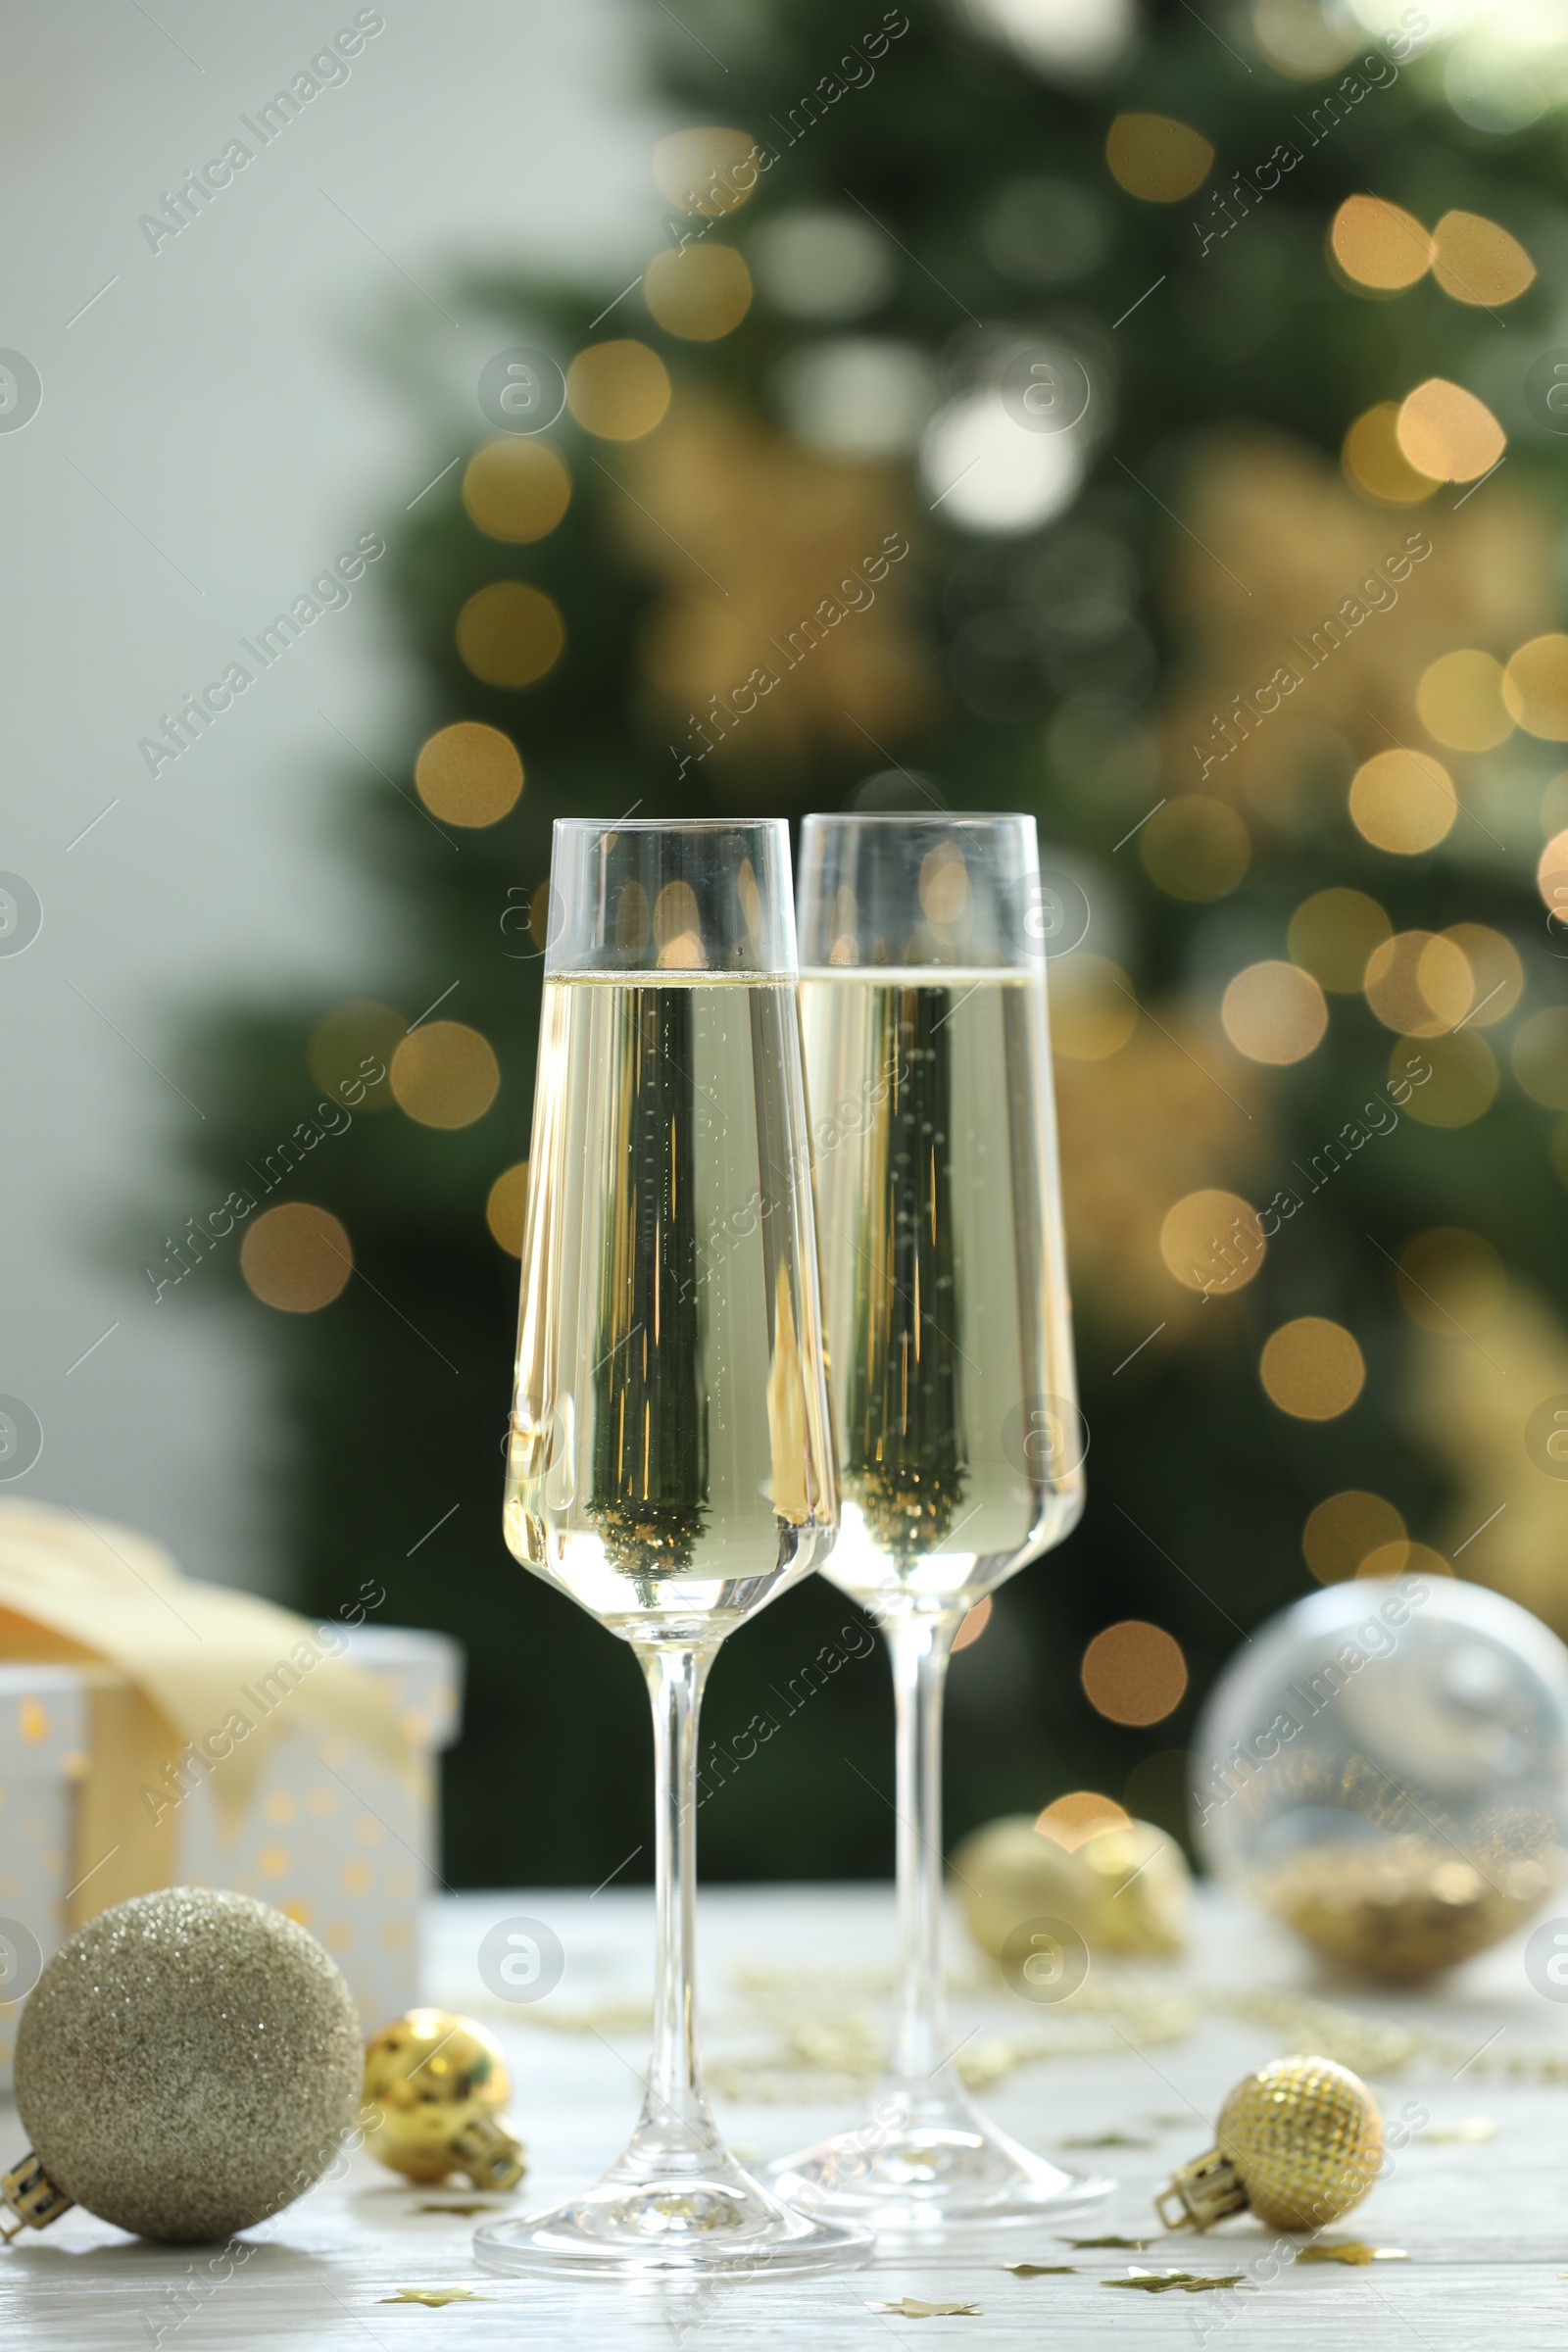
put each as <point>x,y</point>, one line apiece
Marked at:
<point>1312,1368</point>
<point>709,169</point>
<point>619,390</point>
<point>1463,1083</point>
<point>1402,801</point>
<point>1070,1820</point>
<point>1093,1009</point>
<point>1333,933</point>
<point>1460,700</point>
<point>1274,1011</point>
<point>1212,1240</point>
<point>469,774</point>
<point>1134,1673</point>
<point>1374,464</point>
<point>1551,875</point>
<point>505,1205</point>
<point>1346,1529</point>
<point>1541,1056</point>
<point>296,1257</point>
<point>1498,975</point>
<point>516,489</point>
<point>1419,983</point>
<point>1451,1282</point>
<point>1158,158</point>
<point>1379,244</point>
<point>1445,431</point>
<point>350,1046</point>
<point>1477,262</point>
<point>511,634</point>
<point>1535,687</point>
<point>1195,848</point>
<point>1405,1559</point>
<point>698,292</point>
<point>445,1074</point>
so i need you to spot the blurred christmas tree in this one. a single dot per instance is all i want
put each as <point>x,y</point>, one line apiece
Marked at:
<point>1101,415</point>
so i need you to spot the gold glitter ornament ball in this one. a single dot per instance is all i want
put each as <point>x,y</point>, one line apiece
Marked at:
<point>435,2089</point>
<point>1298,2144</point>
<point>188,2062</point>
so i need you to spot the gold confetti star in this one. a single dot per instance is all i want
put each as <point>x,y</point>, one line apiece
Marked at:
<point>1354,2251</point>
<point>1041,2269</point>
<point>1164,2282</point>
<point>435,2296</point>
<point>910,2307</point>
<point>1126,2245</point>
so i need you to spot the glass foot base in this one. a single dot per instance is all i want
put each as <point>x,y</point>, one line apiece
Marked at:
<point>912,2177</point>
<point>711,2221</point>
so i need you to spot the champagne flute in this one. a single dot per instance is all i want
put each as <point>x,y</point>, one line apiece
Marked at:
<point>960,1459</point>
<point>670,1465</point>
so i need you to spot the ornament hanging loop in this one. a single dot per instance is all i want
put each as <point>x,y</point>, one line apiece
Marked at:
<point>1201,2193</point>
<point>31,2196</point>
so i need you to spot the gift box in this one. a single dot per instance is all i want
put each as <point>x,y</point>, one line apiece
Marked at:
<point>159,1731</point>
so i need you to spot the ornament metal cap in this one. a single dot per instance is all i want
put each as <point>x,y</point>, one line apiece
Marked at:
<point>435,2084</point>
<point>1298,2144</point>
<point>31,2196</point>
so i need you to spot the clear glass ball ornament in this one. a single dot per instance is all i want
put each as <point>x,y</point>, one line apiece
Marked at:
<point>1384,1766</point>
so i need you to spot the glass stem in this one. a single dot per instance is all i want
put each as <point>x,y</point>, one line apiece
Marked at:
<point>675,2119</point>
<point>920,1647</point>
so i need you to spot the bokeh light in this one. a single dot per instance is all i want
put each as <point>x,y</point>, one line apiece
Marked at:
<point>1477,262</point>
<point>1134,1673</point>
<point>511,634</point>
<point>1447,432</point>
<point>709,170</point>
<point>1070,1820</point>
<point>1497,972</point>
<point>1551,876</point>
<point>699,292</point>
<point>1451,1282</point>
<point>987,472</point>
<point>1404,1559</point>
<point>1196,847</point>
<point>1093,1008</point>
<point>1419,983</point>
<point>1331,934</point>
<point>817,262</point>
<point>974,1624</point>
<point>1374,462</point>
<point>619,390</point>
<point>468,774</point>
<point>1378,244</point>
<point>1535,687</point>
<point>1312,1368</point>
<point>1298,39</point>
<point>296,1257</point>
<point>445,1074</point>
<point>516,489</point>
<point>1211,1240</point>
<point>1460,700</point>
<point>1156,157</point>
<point>349,1046</point>
<point>1541,1056</point>
<point>1348,1528</point>
<point>505,1206</point>
<point>1274,1013</point>
<point>1463,1082</point>
<point>1402,801</point>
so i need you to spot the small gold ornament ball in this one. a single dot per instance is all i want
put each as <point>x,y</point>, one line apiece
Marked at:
<point>435,2088</point>
<point>187,2064</point>
<point>1307,2139</point>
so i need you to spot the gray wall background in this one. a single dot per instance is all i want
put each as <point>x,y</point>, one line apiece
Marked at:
<point>210,436</point>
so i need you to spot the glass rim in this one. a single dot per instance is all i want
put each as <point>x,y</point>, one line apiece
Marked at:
<point>670,824</point>
<point>919,816</point>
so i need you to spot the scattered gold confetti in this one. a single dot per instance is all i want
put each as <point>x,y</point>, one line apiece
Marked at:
<point>1106,2139</point>
<point>1129,2245</point>
<point>1352,2251</point>
<point>1162,2283</point>
<point>1041,2269</point>
<point>435,2296</point>
<point>1476,2128</point>
<point>910,2307</point>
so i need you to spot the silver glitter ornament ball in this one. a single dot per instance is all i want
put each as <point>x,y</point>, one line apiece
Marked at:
<point>188,2064</point>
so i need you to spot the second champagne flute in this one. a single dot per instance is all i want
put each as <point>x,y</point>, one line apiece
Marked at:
<point>945,1298</point>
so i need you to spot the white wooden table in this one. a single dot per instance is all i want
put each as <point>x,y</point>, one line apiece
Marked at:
<point>1484,2224</point>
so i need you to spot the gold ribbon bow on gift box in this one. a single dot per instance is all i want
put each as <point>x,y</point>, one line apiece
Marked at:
<point>181,1679</point>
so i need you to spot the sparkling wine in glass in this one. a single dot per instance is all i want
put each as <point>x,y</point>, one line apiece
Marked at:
<point>670,1462</point>
<point>959,1452</point>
